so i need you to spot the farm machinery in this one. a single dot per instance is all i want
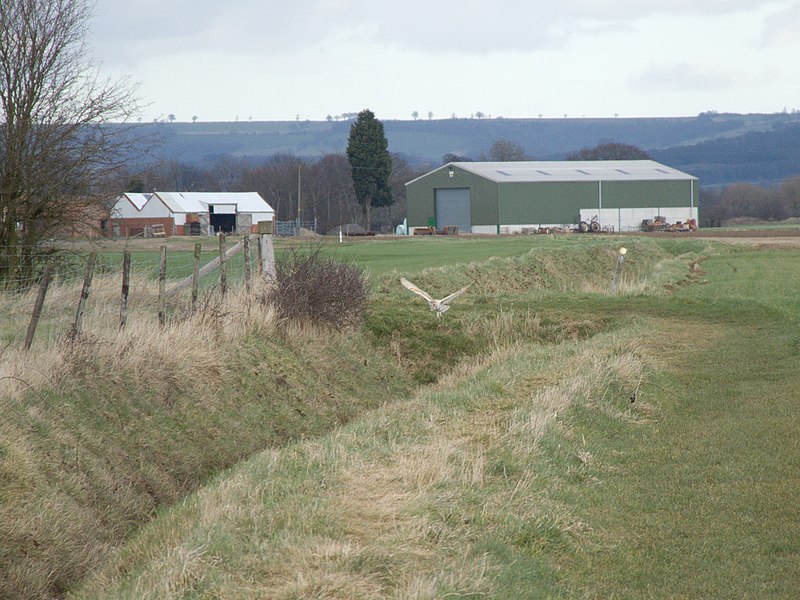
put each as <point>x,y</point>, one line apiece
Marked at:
<point>660,223</point>
<point>593,226</point>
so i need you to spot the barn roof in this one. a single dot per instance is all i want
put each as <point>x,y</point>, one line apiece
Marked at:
<point>138,200</point>
<point>198,202</point>
<point>569,170</point>
<point>244,201</point>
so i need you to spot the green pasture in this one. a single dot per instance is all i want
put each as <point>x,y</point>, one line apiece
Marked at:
<point>377,255</point>
<point>545,439</point>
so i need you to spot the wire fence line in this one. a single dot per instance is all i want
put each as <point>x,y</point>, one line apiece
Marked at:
<point>105,290</point>
<point>68,266</point>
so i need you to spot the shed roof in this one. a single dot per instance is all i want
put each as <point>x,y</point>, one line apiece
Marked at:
<point>568,170</point>
<point>244,201</point>
<point>138,200</point>
<point>198,202</point>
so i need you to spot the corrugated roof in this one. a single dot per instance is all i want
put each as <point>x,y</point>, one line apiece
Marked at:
<point>568,170</point>
<point>245,201</point>
<point>138,200</point>
<point>198,202</point>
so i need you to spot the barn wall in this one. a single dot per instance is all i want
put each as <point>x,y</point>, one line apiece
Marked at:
<point>646,194</point>
<point>154,209</point>
<point>123,209</point>
<point>421,195</point>
<point>556,203</point>
<point>131,227</point>
<point>497,207</point>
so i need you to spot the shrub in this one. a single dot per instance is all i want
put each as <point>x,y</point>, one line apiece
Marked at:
<point>311,288</point>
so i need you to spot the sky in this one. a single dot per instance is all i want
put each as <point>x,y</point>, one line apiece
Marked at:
<point>308,59</point>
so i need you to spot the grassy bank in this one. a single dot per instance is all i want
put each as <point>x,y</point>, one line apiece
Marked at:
<point>496,453</point>
<point>655,459</point>
<point>543,361</point>
<point>96,436</point>
<point>423,499</point>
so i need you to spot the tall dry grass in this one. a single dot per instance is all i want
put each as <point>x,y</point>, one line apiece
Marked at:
<point>189,344</point>
<point>404,503</point>
<point>97,433</point>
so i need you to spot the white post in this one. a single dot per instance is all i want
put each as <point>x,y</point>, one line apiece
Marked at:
<point>618,270</point>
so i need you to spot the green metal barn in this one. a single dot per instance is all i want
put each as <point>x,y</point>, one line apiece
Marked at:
<point>512,197</point>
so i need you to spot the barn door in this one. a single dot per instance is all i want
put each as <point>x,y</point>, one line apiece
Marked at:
<point>452,208</point>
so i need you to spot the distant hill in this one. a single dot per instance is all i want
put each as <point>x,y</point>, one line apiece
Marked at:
<point>718,148</point>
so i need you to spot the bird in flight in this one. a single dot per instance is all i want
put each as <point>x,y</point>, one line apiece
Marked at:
<point>438,306</point>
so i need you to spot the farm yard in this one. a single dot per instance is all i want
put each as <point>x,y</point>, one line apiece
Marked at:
<point>545,438</point>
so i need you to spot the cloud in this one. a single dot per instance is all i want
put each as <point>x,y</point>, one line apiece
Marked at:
<point>782,28</point>
<point>687,77</point>
<point>128,29</point>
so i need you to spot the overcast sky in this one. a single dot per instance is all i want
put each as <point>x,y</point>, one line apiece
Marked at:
<point>279,60</point>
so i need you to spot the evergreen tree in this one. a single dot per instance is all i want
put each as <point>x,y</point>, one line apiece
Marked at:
<point>370,163</point>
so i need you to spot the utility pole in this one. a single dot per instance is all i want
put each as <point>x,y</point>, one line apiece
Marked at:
<point>299,193</point>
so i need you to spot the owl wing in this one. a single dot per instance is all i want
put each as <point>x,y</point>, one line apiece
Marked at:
<point>411,287</point>
<point>455,295</point>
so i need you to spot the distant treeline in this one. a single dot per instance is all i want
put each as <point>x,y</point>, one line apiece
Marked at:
<point>318,190</point>
<point>745,200</point>
<point>322,190</point>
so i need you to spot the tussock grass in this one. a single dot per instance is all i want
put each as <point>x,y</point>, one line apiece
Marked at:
<point>100,435</point>
<point>97,434</point>
<point>423,499</point>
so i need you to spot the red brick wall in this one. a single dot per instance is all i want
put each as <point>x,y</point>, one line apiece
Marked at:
<point>129,227</point>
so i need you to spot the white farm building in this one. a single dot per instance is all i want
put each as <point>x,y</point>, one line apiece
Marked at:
<point>190,213</point>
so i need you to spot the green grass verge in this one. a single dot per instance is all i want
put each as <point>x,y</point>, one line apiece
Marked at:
<point>525,471</point>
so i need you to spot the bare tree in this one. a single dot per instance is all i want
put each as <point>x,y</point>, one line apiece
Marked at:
<point>330,188</point>
<point>57,142</point>
<point>276,181</point>
<point>506,151</point>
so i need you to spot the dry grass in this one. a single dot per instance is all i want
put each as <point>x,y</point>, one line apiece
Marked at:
<point>102,432</point>
<point>98,433</point>
<point>135,350</point>
<point>398,505</point>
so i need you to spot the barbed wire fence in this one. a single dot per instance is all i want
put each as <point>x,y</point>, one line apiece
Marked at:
<point>107,289</point>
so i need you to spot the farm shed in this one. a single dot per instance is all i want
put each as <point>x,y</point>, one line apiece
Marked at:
<point>187,213</point>
<point>509,197</point>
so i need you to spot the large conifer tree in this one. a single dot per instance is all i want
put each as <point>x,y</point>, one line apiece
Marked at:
<point>370,163</point>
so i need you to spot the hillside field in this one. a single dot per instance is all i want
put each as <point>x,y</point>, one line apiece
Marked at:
<point>544,439</point>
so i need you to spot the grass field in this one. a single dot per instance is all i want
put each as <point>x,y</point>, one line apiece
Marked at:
<point>550,440</point>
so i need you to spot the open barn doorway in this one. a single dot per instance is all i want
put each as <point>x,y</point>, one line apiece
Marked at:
<point>222,217</point>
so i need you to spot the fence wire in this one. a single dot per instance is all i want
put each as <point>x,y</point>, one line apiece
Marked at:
<point>103,305</point>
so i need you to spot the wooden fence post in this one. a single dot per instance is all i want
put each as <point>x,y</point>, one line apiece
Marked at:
<point>126,286</point>
<point>195,275</point>
<point>267,258</point>
<point>162,288</point>
<point>87,284</point>
<point>204,270</point>
<point>37,308</point>
<point>246,241</point>
<point>223,268</point>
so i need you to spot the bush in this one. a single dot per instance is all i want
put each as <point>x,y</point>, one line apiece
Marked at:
<point>311,288</point>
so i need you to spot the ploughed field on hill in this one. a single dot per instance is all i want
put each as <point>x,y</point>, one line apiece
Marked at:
<point>720,149</point>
